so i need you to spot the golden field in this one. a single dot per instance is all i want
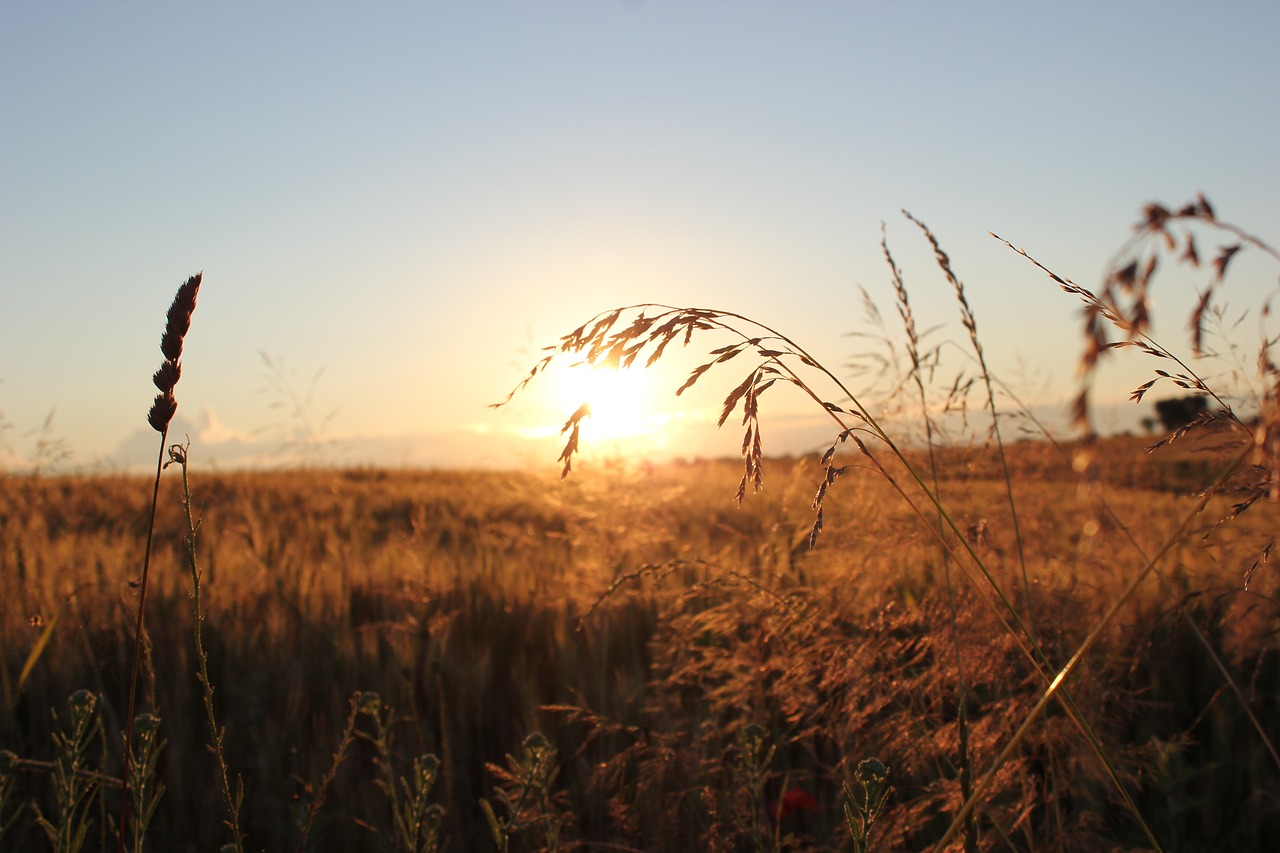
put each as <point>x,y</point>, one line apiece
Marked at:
<point>643,623</point>
<point>894,645</point>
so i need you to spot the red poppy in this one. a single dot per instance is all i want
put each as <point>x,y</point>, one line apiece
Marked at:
<point>794,800</point>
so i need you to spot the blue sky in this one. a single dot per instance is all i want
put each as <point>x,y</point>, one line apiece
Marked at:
<point>412,198</point>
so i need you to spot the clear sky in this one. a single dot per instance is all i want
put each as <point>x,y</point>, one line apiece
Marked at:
<point>412,198</point>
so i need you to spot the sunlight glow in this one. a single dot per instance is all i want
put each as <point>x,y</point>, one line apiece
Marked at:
<point>621,401</point>
<point>623,408</point>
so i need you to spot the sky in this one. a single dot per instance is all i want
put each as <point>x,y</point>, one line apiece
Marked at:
<point>395,206</point>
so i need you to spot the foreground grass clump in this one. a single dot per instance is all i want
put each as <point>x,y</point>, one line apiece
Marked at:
<point>470,602</point>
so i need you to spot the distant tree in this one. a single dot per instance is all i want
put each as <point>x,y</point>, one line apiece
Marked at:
<point>1179,411</point>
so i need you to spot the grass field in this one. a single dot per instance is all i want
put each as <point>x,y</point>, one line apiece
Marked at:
<point>895,645</point>
<point>472,604</point>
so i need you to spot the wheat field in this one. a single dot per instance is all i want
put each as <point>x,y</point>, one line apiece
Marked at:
<point>472,604</point>
<point>893,645</point>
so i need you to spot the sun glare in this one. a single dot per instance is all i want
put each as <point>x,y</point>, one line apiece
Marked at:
<point>622,405</point>
<point>620,400</point>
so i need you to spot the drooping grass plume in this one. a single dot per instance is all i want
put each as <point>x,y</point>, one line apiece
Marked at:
<point>608,339</point>
<point>177,324</point>
<point>1123,304</point>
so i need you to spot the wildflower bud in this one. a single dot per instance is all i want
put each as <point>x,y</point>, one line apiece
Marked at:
<point>82,704</point>
<point>370,703</point>
<point>146,724</point>
<point>872,771</point>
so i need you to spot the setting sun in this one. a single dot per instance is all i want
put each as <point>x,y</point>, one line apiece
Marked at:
<point>629,413</point>
<point>621,402</point>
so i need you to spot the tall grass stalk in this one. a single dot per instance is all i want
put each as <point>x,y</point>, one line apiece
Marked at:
<point>970,324</point>
<point>355,707</point>
<point>1124,304</point>
<point>415,821</point>
<point>177,323</point>
<point>916,370</point>
<point>1115,521</point>
<point>1083,649</point>
<point>863,805</point>
<point>231,799</point>
<point>526,796</point>
<point>750,773</point>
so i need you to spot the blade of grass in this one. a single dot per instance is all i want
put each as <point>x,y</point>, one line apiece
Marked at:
<point>11,692</point>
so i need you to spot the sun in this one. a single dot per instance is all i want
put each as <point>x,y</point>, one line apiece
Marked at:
<point>621,402</point>
<point>629,416</point>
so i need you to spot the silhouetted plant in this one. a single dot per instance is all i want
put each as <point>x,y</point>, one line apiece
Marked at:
<point>74,785</point>
<point>415,821</point>
<point>526,801</point>
<point>865,800</point>
<point>177,324</point>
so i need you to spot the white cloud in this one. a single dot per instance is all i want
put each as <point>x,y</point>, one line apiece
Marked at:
<point>213,431</point>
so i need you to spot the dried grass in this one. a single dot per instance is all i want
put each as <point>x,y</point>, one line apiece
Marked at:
<point>693,667</point>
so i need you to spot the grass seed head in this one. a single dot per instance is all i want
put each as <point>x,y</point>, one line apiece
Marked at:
<point>178,320</point>
<point>166,378</point>
<point>162,411</point>
<point>177,324</point>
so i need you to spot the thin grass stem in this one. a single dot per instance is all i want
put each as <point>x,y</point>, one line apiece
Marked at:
<point>137,644</point>
<point>231,800</point>
<point>1060,678</point>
